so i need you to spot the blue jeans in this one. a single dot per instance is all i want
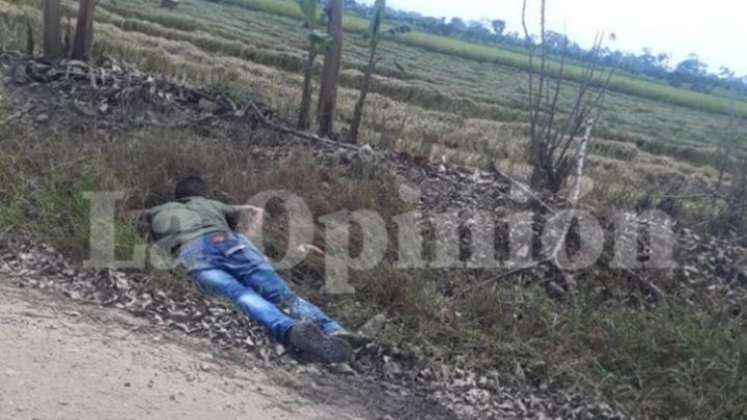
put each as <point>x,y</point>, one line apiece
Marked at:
<point>228,265</point>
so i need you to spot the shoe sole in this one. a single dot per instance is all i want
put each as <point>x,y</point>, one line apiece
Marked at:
<point>309,338</point>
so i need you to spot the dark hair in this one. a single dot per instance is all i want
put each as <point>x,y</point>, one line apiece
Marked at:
<point>191,186</point>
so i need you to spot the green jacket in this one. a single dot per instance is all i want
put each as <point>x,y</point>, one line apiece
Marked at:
<point>176,223</point>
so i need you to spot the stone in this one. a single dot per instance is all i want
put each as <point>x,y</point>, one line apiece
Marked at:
<point>207,106</point>
<point>374,326</point>
<point>342,369</point>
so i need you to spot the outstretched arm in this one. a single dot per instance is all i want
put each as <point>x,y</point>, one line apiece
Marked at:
<point>251,216</point>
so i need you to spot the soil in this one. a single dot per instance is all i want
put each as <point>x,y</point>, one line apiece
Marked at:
<point>63,360</point>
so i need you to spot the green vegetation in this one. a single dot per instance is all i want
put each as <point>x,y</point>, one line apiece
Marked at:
<point>508,57</point>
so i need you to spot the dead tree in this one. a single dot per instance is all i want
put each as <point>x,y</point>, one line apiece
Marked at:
<point>554,133</point>
<point>331,69</point>
<point>67,38</point>
<point>374,36</point>
<point>30,42</point>
<point>52,30</point>
<point>317,42</point>
<point>729,200</point>
<point>727,146</point>
<point>83,41</point>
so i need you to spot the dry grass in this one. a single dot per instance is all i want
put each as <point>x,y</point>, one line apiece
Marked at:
<point>424,112</point>
<point>657,364</point>
<point>515,58</point>
<point>482,91</point>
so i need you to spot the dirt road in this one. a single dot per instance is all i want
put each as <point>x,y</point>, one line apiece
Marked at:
<point>60,360</point>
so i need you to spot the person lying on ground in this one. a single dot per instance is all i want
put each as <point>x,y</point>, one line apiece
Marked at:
<point>201,235</point>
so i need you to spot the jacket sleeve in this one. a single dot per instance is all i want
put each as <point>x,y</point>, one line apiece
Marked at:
<point>231,213</point>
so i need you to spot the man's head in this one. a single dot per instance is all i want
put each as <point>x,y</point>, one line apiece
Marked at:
<point>191,186</point>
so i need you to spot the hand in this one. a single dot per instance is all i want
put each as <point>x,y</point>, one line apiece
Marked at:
<point>248,207</point>
<point>252,218</point>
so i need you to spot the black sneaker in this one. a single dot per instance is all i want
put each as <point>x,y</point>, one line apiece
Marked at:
<point>307,337</point>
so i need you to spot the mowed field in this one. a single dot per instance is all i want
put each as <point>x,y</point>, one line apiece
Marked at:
<point>424,102</point>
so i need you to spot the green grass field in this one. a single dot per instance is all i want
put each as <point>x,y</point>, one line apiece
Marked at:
<point>503,56</point>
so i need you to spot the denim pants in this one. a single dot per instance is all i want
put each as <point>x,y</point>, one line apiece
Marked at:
<point>228,265</point>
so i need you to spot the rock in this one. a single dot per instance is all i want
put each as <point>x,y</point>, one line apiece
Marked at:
<point>83,109</point>
<point>279,350</point>
<point>342,369</point>
<point>41,118</point>
<point>208,106</point>
<point>392,369</point>
<point>410,194</point>
<point>486,383</point>
<point>366,150</point>
<point>18,75</point>
<point>374,326</point>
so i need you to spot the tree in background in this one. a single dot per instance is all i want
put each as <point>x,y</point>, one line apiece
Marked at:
<point>499,26</point>
<point>726,73</point>
<point>52,38</point>
<point>692,66</point>
<point>83,41</point>
<point>556,145</point>
<point>662,61</point>
<point>331,69</point>
<point>457,25</point>
<point>374,36</point>
<point>479,31</point>
<point>491,32</point>
<point>317,42</point>
<point>694,73</point>
<point>30,43</point>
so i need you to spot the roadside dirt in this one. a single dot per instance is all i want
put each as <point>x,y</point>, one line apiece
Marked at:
<point>62,360</point>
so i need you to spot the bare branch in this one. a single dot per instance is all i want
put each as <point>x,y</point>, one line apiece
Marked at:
<point>301,134</point>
